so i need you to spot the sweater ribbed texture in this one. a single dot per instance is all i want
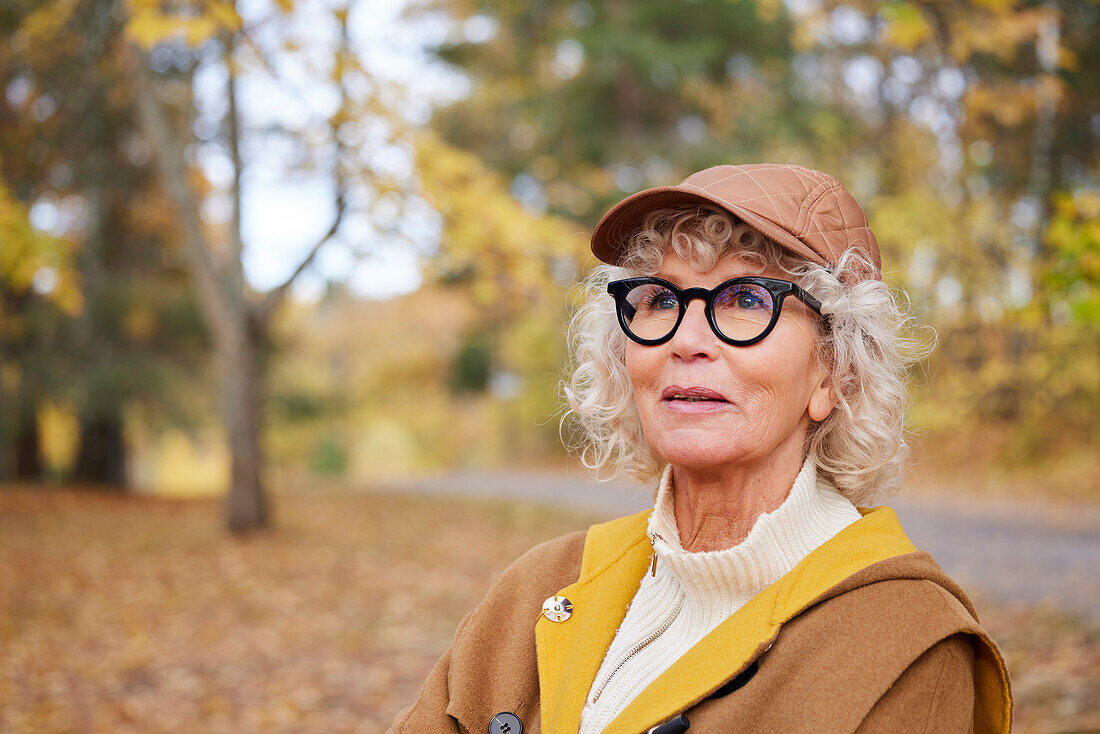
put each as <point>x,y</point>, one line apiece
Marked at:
<point>689,594</point>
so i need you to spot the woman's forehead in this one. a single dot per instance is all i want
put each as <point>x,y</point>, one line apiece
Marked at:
<point>687,274</point>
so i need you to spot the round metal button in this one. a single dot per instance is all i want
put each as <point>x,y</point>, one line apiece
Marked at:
<point>557,609</point>
<point>505,723</point>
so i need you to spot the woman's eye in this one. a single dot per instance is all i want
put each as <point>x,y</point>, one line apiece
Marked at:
<point>748,300</point>
<point>744,298</point>
<point>662,300</point>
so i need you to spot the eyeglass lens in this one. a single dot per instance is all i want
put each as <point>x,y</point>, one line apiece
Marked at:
<point>742,311</point>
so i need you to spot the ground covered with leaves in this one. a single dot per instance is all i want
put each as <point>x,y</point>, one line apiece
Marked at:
<point>130,614</point>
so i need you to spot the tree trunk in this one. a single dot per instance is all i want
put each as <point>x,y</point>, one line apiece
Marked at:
<point>629,96</point>
<point>102,457</point>
<point>7,445</point>
<point>242,410</point>
<point>238,326</point>
<point>28,465</point>
<point>1047,50</point>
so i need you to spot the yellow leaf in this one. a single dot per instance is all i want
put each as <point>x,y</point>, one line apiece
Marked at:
<point>199,29</point>
<point>224,14</point>
<point>148,28</point>
<point>44,23</point>
<point>906,27</point>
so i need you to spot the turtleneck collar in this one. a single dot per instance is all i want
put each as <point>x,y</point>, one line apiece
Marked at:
<point>812,512</point>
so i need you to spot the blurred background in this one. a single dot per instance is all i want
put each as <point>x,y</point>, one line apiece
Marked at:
<point>283,287</point>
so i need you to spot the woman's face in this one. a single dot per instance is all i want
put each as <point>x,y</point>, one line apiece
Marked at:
<point>758,400</point>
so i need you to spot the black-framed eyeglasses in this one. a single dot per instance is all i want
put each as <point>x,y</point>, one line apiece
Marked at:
<point>741,311</point>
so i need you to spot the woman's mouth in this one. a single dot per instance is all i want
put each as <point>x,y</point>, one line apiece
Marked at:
<point>692,399</point>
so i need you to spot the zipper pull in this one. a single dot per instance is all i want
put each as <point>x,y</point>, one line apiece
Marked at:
<point>653,565</point>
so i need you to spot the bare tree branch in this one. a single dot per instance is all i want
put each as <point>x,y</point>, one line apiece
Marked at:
<point>275,296</point>
<point>168,152</point>
<point>234,136</point>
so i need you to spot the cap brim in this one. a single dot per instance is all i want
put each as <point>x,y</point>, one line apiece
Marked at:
<point>611,237</point>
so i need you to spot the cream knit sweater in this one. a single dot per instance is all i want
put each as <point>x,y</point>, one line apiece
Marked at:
<point>686,595</point>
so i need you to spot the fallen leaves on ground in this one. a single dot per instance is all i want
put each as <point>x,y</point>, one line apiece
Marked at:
<point>131,614</point>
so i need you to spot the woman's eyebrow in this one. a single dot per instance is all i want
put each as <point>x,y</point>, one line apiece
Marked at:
<point>678,282</point>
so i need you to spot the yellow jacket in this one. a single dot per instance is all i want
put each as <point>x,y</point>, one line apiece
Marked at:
<point>865,634</point>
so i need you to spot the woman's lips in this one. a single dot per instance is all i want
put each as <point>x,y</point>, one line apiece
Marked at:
<point>675,392</point>
<point>693,399</point>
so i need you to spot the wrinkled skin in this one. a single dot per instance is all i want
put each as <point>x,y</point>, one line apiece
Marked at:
<point>734,458</point>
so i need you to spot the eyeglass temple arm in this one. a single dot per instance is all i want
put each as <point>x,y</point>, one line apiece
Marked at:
<point>826,318</point>
<point>806,298</point>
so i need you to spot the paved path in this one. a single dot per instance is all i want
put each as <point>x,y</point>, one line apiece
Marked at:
<point>1021,552</point>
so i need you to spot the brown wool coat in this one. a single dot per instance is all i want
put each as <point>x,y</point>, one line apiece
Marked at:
<point>865,635</point>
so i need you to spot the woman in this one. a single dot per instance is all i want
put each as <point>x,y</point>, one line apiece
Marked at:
<point>746,357</point>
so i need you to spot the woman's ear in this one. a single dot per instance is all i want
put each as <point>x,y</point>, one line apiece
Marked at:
<point>822,400</point>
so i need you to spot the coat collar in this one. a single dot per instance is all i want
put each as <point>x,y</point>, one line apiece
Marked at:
<point>617,554</point>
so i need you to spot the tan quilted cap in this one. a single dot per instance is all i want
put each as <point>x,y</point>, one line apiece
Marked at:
<point>805,211</point>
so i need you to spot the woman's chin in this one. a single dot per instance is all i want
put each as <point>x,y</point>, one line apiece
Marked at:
<point>701,454</point>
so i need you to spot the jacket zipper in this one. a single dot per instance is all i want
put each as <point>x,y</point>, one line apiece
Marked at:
<point>653,564</point>
<point>637,649</point>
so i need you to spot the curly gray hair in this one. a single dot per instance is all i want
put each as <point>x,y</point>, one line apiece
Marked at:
<point>869,345</point>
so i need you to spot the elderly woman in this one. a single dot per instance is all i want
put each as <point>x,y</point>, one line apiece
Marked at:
<point>740,351</point>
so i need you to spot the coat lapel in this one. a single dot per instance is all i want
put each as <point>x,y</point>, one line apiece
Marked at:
<point>740,639</point>
<point>616,554</point>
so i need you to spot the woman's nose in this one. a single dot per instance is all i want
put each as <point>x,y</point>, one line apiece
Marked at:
<point>694,338</point>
